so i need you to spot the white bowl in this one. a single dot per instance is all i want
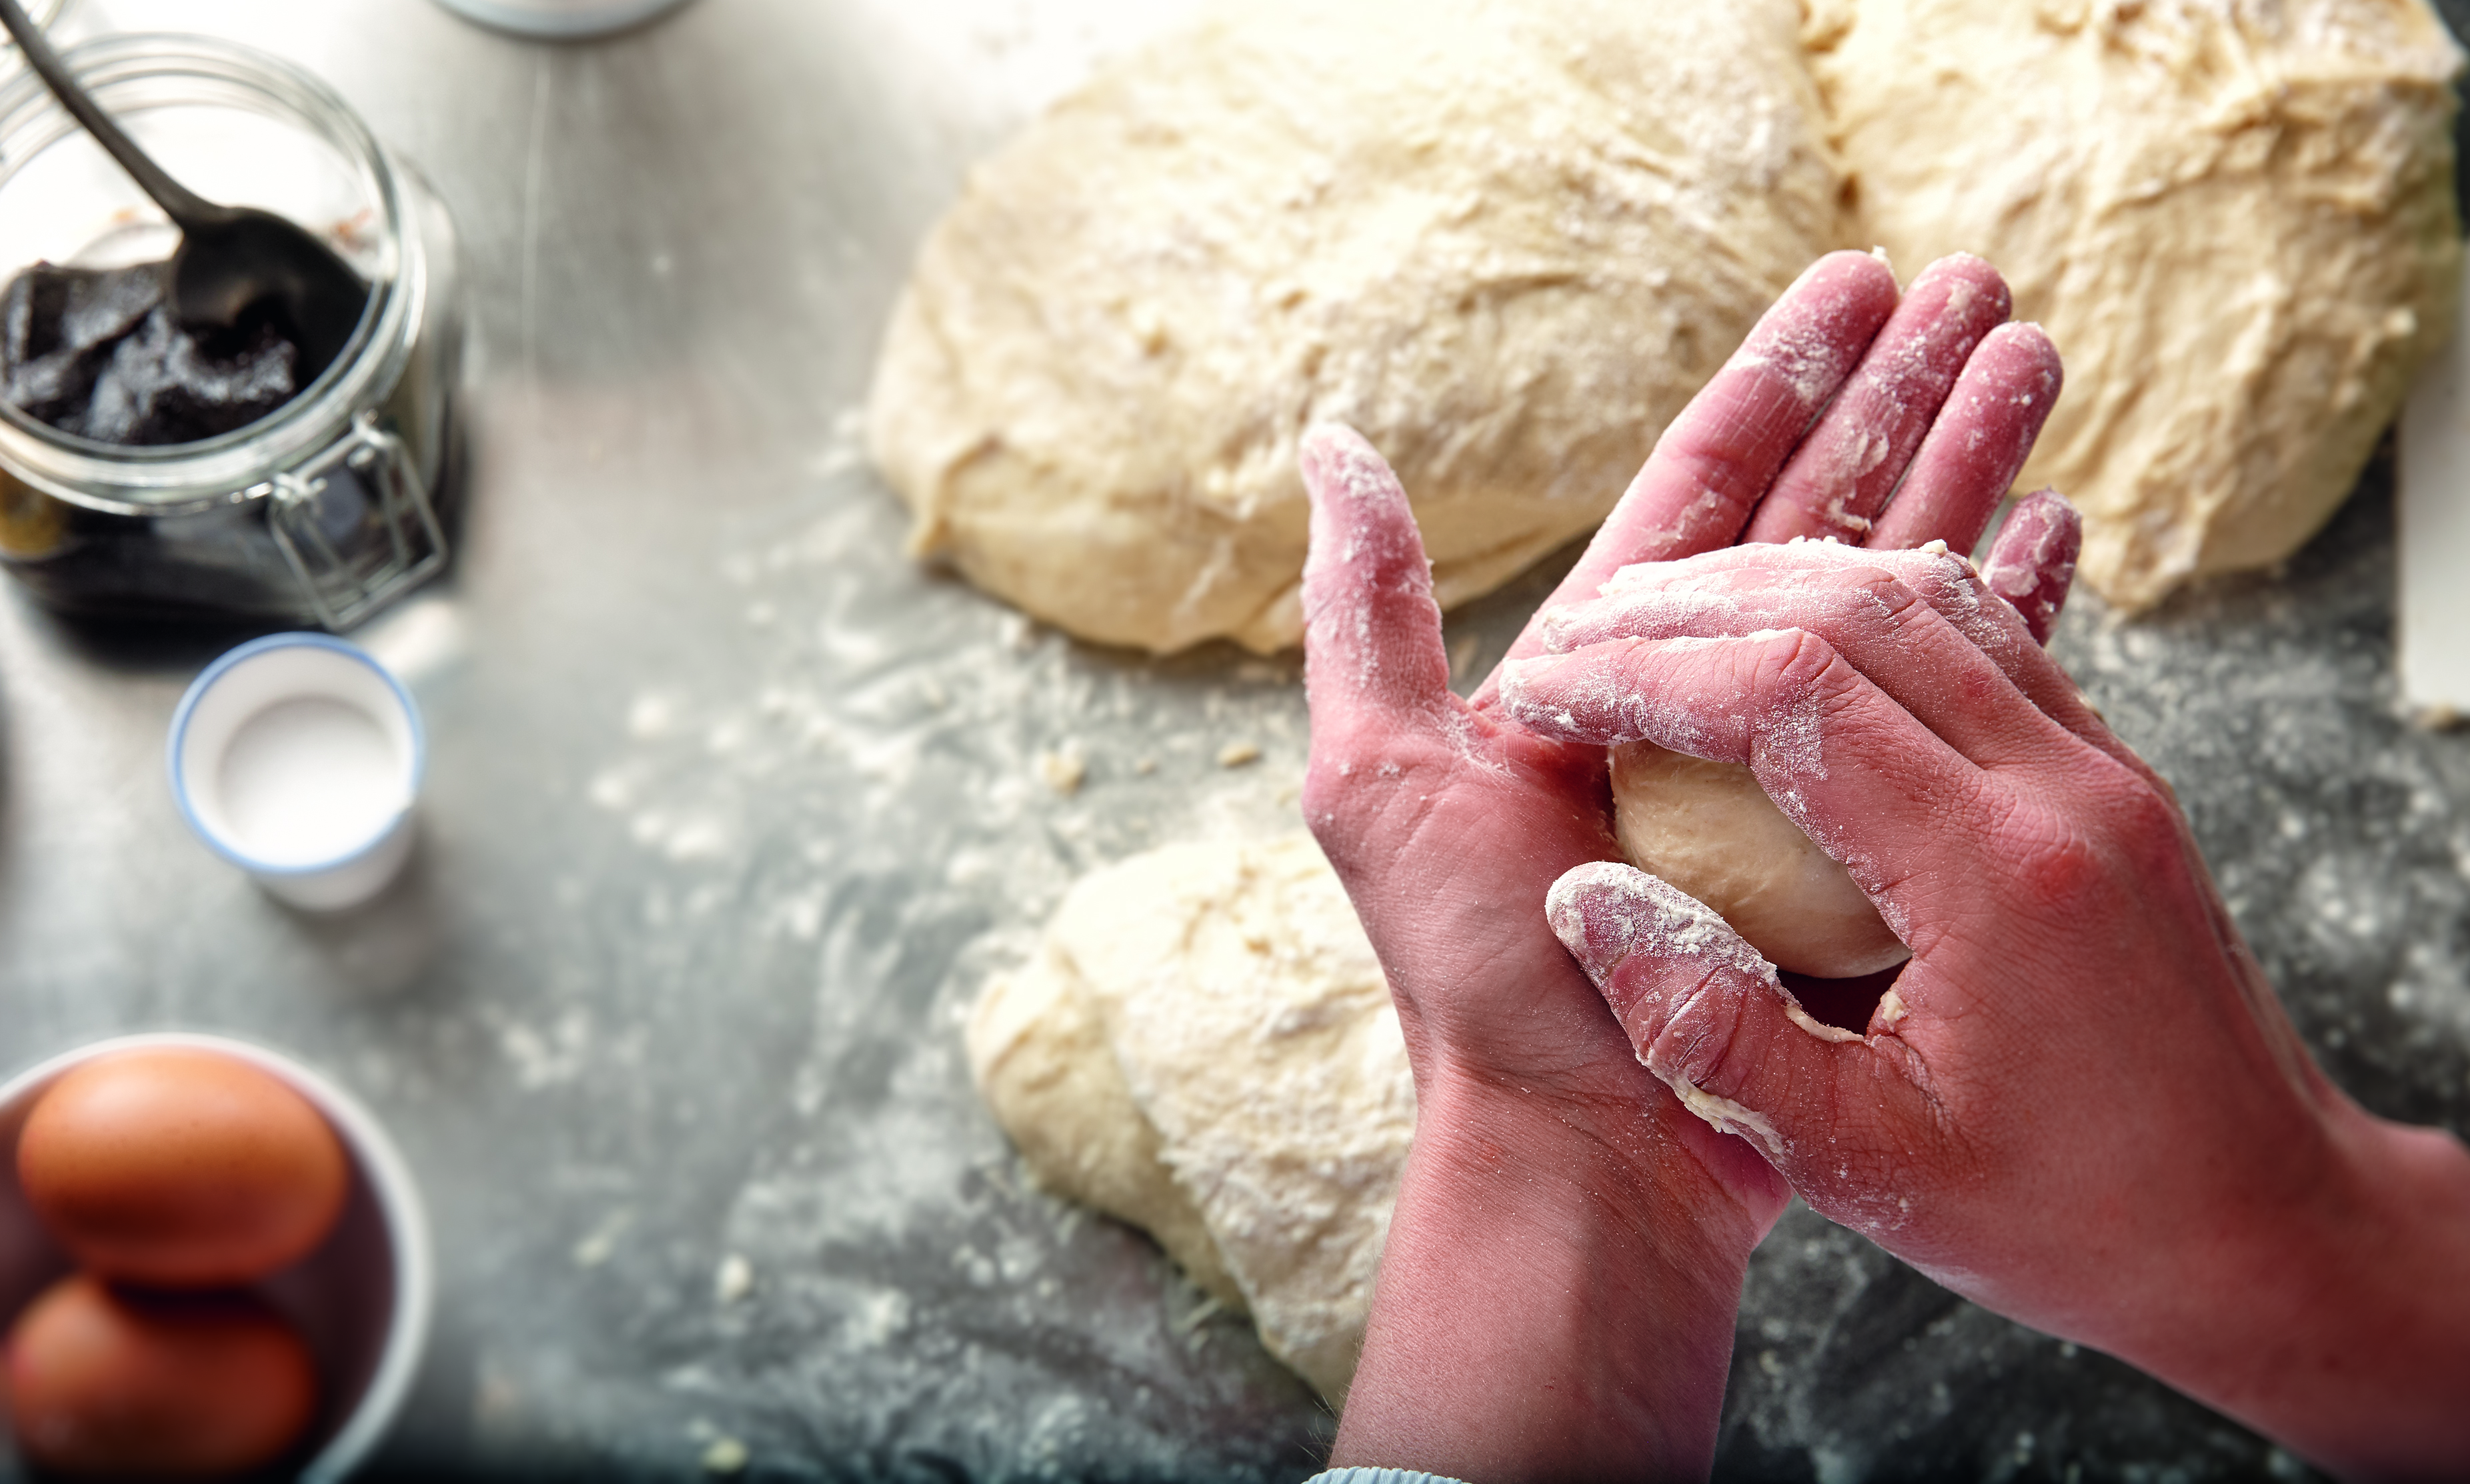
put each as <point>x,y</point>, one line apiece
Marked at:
<point>361,1301</point>
<point>560,20</point>
<point>297,758</point>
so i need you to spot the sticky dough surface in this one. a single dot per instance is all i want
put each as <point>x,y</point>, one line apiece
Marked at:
<point>1505,240</point>
<point>1708,828</point>
<point>2235,220</point>
<point>1204,1046</point>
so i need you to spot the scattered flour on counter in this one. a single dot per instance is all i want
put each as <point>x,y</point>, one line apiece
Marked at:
<point>1019,55</point>
<point>544,1056</point>
<point>893,783</point>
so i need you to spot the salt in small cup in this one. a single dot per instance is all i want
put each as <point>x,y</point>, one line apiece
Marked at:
<point>297,758</point>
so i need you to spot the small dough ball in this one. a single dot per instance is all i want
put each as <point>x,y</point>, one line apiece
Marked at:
<point>1504,240</point>
<point>1708,828</point>
<point>2236,220</point>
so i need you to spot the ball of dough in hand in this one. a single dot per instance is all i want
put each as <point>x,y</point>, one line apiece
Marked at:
<point>1708,828</point>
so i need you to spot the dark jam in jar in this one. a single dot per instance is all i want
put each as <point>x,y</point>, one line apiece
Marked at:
<point>292,468</point>
<point>97,354</point>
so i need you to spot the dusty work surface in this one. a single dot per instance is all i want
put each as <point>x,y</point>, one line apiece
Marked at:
<point>731,807</point>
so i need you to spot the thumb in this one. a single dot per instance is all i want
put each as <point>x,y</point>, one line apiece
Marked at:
<point>1372,633</point>
<point>1709,1018</point>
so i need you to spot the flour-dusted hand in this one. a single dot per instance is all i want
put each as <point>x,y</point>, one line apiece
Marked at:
<point>1559,1291</point>
<point>2081,1104</point>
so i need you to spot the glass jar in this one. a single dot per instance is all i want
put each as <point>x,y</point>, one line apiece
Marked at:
<point>42,13</point>
<point>324,510</point>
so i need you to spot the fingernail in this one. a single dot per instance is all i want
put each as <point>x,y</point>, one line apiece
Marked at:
<point>1322,451</point>
<point>1637,574</point>
<point>1514,673</point>
<point>1519,676</point>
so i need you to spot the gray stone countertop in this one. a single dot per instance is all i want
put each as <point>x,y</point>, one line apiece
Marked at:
<point>731,807</point>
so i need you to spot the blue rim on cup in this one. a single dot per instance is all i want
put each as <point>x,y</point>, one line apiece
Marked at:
<point>297,758</point>
<point>363,1299</point>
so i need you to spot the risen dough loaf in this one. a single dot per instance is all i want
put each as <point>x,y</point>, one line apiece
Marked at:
<point>2236,220</point>
<point>1708,828</point>
<point>1506,241</point>
<point>1204,1046</point>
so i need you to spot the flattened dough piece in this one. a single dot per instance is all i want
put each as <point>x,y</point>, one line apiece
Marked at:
<point>2236,220</point>
<point>1506,239</point>
<point>1257,1065</point>
<point>1710,829</point>
<point>1043,1066</point>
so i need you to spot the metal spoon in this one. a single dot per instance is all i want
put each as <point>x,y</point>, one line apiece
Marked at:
<point>233,261</point>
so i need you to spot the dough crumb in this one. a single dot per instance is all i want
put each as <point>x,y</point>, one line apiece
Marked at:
<point>1724,1115</point>
<point>1816,1027</point>
<point>1196,1316</point>
<point>1235,755</point>
<point>725,1456</point>
<point>1065,771</point>
<point>734,1280</point>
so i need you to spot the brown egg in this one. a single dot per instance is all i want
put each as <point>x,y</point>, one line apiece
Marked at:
<point>178,1167</point>
<point>102,1383</point>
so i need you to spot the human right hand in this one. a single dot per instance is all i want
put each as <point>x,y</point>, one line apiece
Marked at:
<point>2080,1104</point>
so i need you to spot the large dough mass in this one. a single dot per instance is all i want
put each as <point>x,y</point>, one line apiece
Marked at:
<point>2236,220</point>
<point>1505,240</point>
<point>1204,1046</point>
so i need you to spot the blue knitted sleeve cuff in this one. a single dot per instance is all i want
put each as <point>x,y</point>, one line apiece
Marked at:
<point>1378,1476</point>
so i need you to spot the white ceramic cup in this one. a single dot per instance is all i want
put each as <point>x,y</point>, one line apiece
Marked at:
<point>297,758</point>
<point>564,20</point>
<point>361,1301</point>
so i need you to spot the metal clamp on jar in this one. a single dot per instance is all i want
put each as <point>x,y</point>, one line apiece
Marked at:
<point>325,509</point>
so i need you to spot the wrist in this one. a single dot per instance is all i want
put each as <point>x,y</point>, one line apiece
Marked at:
<point>2345,1332</point>
<point>1557,1295</point>
<point>1619,1154</point>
